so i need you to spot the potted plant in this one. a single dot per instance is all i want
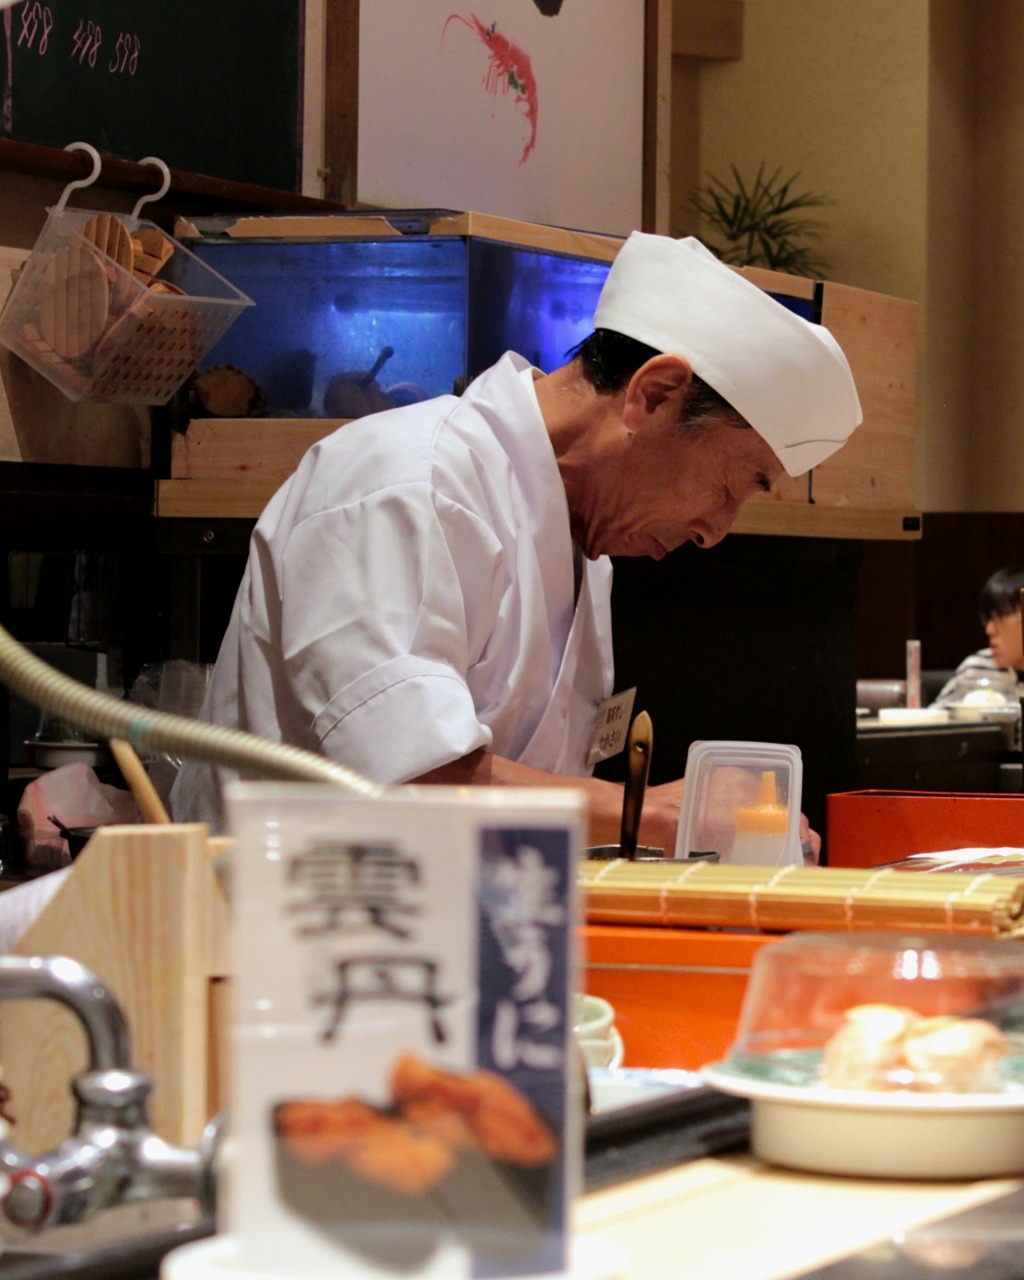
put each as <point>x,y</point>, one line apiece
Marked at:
<point>764,223</point>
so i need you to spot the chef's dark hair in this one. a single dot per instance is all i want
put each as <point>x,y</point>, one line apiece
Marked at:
<point>610,359</point>
<point>1001,594</point>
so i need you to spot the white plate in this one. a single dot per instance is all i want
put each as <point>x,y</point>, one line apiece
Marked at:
<point>913,715</point>
<point>613,1088</point>
<point>590,1258</point>
<point>881,1135</point>
<point>51,755</point>
<point>1001,715</point>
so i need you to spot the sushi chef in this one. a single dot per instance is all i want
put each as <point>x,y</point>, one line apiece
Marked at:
<point>427,598</point>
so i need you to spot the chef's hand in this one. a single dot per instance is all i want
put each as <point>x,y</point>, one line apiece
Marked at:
<point>658,827</point>
<point>810,843</point>
<point>659,822</point>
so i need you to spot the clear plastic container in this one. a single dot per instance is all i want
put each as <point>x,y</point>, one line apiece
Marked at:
<point>742,801</point>
<point>110,308</point>
<point>884,1055</point>
<point>853,1010</point>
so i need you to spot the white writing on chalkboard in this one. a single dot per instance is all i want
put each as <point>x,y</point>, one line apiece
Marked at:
<point>37,23</point>
<point>36,20</point>
<point>88,38</point>
<point>126,57</point>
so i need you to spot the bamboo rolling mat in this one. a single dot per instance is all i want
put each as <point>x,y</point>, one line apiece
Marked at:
<point>668,893</point>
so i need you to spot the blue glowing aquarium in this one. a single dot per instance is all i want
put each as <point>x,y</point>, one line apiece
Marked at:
<point>347,325</point>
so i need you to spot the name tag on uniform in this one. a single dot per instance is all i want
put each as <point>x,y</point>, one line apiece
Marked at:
<point>611,726</point>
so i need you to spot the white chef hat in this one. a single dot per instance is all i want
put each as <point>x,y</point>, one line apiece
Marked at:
<point>789,378</point>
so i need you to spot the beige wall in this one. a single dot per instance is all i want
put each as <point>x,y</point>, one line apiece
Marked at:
<point>837,89</point>
<point>873,102</point>
<point>997,260</point>
<point>944,456</point>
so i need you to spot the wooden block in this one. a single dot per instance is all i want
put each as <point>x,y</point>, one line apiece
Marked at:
<point>779,282</point>
<point>151,251</point>
<point>110,236</point>
<point>136,910</point>
<point>166,287</point>
<point>76,303</point>
<point>529,234</point>
<point>874,470</point>
<point>114,241</point>
<point>267,449</point>
<point>213,499</point>
<point>796,519</point>
<point>879,335</point>
<point>707,29</point>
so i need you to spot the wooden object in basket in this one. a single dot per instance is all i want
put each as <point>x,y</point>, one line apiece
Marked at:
<point>76,304</point>
<point>144,910</point>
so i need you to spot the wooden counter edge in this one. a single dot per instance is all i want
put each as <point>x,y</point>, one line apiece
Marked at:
<point>245,499</point>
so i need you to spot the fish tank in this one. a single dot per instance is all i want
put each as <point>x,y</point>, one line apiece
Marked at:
<point>346,325</point>
<point>343,328</point>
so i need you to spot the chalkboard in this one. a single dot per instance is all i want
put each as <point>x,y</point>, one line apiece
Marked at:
<point>210,86</point>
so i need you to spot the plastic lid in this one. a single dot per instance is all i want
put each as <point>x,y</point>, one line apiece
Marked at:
<point>881,1010</point>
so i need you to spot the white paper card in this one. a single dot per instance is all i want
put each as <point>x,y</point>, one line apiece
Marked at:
<point>404,1085</point>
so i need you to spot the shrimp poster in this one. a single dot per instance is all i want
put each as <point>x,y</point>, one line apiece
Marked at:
<point>527,109</point>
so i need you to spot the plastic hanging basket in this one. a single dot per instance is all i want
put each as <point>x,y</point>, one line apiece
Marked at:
<point>110,308</point>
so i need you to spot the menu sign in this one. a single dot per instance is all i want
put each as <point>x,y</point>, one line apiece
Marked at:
<point>404,1085</point>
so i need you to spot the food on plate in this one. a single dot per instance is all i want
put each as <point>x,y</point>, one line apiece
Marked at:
<point>414,1143</point>
<point>371,1143</point>
<point>884,1046</point>
<point>503,1124</point>
<point>984,698</point>
<point>956,1055</point>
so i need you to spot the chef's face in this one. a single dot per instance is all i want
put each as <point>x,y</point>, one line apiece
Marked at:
<point>671,483</point>
<point>1004,635</point>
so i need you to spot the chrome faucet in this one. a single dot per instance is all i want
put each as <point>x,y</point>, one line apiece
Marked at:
<point>112,1157</point>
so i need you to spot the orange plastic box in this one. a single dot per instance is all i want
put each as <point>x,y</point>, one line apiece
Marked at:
<point>868,828</point>
<point>676,992</point>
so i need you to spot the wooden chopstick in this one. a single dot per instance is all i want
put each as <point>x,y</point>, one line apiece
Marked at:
<point>150,804</point>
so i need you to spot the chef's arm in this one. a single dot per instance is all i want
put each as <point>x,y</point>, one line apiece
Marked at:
<point>604,799</point>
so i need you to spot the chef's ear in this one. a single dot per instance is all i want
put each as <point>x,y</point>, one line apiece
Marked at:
<point>659,386</point>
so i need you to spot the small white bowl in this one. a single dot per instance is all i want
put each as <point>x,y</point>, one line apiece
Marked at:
<point>605,1052</point>
<point>881,1135</point>
<point>593,1016</point>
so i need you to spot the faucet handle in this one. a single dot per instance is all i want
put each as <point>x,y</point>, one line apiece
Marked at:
<point>112,1157</point>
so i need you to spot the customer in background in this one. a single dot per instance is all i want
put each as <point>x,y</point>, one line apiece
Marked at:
<point>1001,619</point>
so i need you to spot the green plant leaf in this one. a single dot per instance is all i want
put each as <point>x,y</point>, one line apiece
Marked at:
<point>762,222</point>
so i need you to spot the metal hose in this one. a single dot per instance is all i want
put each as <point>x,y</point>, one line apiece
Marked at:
<point>38,683</point>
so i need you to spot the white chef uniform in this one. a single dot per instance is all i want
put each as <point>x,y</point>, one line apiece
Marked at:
<point>410,597</point>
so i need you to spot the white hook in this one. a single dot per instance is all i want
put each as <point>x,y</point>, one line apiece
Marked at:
<point>164,186</point>
<point>80,182</point>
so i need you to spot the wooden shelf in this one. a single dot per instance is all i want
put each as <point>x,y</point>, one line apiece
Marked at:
<point>229,468</point>
<point>814,520</point>
<point>245,499</point>
<point>195,190</point>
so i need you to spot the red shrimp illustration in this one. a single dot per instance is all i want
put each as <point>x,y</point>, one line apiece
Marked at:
<point>509,67</point>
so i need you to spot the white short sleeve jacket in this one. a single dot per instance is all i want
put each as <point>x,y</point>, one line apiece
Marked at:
<point>409,597</point>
